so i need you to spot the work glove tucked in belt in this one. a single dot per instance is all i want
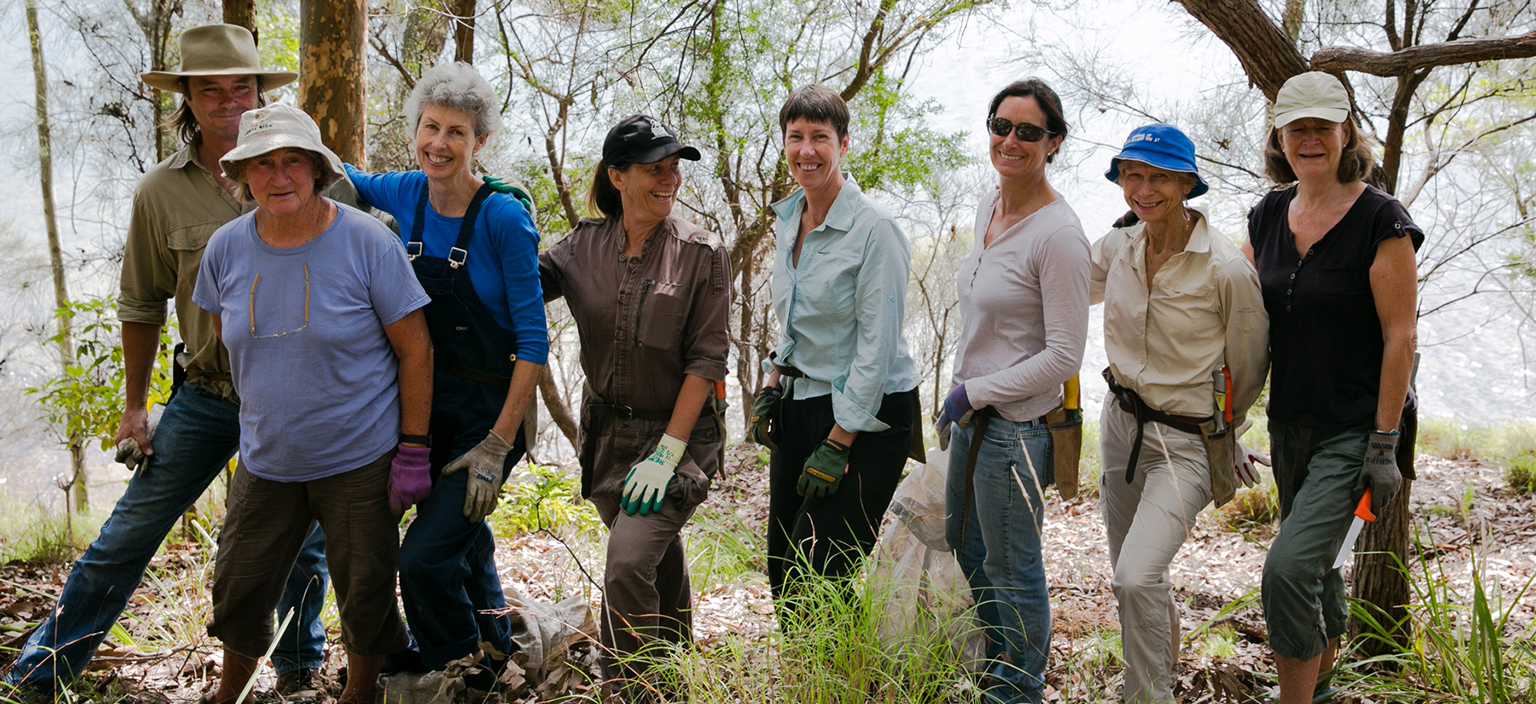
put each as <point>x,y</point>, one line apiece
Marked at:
<point>824,470</point>
<point>646,486</point>
<point>485,475</point>
<point>1246,460</point>
<point>1380,470</point>
<point>765,416</point>
<point>410,477</point>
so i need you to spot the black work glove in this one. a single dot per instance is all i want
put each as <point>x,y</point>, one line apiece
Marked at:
<point>824,470</point>
<point>1380,470</point>
<point>765,417</point>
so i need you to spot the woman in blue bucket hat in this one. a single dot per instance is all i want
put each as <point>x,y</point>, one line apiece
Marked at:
<point>1188,345</point>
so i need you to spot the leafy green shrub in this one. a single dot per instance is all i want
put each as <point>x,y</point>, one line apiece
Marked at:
<point>548,498</point>
<point>1520,472</point>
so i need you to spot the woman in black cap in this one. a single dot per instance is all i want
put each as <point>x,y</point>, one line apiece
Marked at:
<point>651,295</point>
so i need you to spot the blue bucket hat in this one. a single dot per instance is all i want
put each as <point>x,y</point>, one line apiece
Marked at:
<point>1163,146</point>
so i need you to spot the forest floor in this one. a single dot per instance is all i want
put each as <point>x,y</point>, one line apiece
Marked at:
<point>1468,522</point>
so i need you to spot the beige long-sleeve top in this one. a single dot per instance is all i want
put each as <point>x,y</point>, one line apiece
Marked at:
<point>1203,309</point>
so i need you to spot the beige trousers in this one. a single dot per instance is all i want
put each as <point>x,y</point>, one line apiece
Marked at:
<point>1146,522</point>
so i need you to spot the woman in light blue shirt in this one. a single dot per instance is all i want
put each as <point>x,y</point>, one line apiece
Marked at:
<point>839,407</point>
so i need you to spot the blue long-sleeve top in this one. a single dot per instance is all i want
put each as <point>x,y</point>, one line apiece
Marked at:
<point>503,257</point>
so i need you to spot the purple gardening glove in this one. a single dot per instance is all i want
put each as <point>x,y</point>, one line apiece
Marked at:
<point>410,478</point>
<point>956,404</point>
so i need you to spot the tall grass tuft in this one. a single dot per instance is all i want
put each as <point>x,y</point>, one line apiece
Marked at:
<point>1462,649</point>
<point>829,649</point>
<point>31,533</point>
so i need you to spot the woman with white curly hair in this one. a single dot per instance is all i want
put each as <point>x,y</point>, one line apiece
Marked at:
<point>475,251</point>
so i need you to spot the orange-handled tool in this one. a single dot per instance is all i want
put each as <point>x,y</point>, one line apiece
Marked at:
<point>1363,515</point>
<point>1226,413</point>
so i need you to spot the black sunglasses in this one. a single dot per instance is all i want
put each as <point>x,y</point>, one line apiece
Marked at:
<point>1026,132</point>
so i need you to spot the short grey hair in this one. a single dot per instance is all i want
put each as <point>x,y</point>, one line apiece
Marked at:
<point>456,86</point>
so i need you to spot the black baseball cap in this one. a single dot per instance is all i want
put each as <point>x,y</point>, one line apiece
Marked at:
<point>642,139</point>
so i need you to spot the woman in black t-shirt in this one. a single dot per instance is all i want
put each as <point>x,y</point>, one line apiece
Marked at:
<point>1336,264</point>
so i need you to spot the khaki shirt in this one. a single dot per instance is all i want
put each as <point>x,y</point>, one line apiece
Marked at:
<point>1204,309</point>
<point>644,322</point>
<point>178,205</point>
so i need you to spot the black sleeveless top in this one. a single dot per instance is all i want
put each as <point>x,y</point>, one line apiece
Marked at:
<point>1324,336</point>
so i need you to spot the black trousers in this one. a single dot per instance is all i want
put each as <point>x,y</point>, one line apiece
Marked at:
<point>832,534</point>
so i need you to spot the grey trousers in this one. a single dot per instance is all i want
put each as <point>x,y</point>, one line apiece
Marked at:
<point>1146,522</point>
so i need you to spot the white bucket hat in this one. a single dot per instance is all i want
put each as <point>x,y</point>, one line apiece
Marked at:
<point>274,127</point>
<point>1311,94</point>
<point>218,50</point>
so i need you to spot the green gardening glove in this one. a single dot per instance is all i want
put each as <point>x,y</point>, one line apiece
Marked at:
<point>765,415</point>
<point>501,186</point>
<point>646,486</point>
<point>824,470</point>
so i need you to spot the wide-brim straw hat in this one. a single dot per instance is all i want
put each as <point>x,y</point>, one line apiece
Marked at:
<point>273,127</point>
<point>218,50</point>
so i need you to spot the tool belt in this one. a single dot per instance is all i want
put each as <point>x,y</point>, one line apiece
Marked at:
<point>1131,403</point>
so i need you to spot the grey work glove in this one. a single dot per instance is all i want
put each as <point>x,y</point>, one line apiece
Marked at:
<point>1380,470</point>
<point>129,454</point>
<point>485,475</point>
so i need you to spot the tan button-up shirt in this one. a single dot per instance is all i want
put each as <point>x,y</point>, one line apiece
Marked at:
<point>644,322</point>
<point>1202,310</point>
<point>176,208</point>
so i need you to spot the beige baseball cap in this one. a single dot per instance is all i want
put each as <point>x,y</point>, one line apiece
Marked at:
<point>1311,94</point>
<point>273,127</point>
<point>218,50</point>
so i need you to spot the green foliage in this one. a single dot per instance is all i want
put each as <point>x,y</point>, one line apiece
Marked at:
<point>1465,647</point>
<point>721,549</point>
<point>902,152</point>
<point>30,533</point>
<point>1520,472</point>
<point>1511,446</point>
<point>548,499</point>
<point>830,649</point>
<point>87,397</point>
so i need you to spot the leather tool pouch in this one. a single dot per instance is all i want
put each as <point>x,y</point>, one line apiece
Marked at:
<point>1066,449</point>
<point>1220,449</point>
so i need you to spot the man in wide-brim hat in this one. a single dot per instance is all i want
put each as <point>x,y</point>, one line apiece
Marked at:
<point>176,207</point>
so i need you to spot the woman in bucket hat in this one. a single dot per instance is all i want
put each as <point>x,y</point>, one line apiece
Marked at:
<point>1336,262</point>
<point>650,294</point>
<point>475,251</point>
<point>331,357</point>
<point>1187,340</point>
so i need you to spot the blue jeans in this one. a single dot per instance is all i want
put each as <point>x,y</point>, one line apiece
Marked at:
<point>996,535</point>
<point>194,441</point>
<point>301,642</point>
<point>448,576</point>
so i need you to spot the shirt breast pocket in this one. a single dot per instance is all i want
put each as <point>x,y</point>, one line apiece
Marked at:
<point>186,245</point>
<point>663,310</point>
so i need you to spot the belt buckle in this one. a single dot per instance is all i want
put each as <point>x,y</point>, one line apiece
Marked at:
<point>462,256</point>
<point>623,412</point>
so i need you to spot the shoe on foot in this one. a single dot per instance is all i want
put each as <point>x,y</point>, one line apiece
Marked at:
<point>300,680</point>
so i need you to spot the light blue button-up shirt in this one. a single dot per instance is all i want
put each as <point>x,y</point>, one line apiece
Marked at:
<point>843,306</point>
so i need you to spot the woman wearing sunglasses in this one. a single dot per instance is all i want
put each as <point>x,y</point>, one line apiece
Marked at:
<point>841,384</point>
<point>332,361</point>
<point>1024,298</point>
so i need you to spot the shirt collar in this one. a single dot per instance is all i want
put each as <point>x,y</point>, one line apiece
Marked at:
<point>187,154</point>
<point>1199,238</point>
<point>839,217</point>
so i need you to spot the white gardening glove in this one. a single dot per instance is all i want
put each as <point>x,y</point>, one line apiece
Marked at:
<point>646,486</point>
<point>129,454</point>
<point>485,475</point>
<point>1246,457</point>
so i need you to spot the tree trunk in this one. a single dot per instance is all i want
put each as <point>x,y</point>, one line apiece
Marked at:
<point>243,13</point>
<point>1267,56</point>
<point>558,411</point>
<point>55,251</point>
<point>333,73</point>
<point>464,31</point>
<point>1382,553</point>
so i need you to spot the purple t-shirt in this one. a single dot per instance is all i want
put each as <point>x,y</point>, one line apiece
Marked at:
<point>314,370</point>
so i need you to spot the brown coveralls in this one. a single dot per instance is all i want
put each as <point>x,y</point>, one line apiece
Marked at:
<point>645,323</point>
